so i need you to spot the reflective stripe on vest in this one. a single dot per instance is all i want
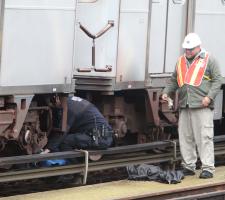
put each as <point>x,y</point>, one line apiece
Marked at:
<point>192,75</point>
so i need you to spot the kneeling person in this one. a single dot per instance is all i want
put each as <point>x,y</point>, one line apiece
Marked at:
<point>86,128</point>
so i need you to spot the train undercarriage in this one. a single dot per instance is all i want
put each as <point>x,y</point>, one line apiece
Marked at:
<point>137,116</point>
<point>26,123</point>
<point>141,116</point>
<point>121,68</point>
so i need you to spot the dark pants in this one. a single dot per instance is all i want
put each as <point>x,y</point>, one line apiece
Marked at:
<point>85,141</point>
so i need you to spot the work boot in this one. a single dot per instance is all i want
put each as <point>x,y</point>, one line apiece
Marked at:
<point>206,174</point>
<point>188,172</point>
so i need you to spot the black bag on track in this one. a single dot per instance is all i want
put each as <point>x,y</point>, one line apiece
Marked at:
<point>143,172</point>
<point>153,173</point>
<point>171,176</point>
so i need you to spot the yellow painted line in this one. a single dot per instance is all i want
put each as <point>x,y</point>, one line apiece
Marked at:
<point>207,77</point>
<point>180,73</point>
<point>195,73</point>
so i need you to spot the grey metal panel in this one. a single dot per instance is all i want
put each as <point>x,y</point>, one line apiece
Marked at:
<point>209,24</point>
<point>130,85</point>
<point>94,16</point>
<point>95,83</point>
<point>87,1</point>
<point>38,40</point>
<point>40,4</point>
<point>37,89</point>
<point>191,15</point>
<point>2,8</point>
<point>133,5</point>
<point>157,36</point>
<point>132,45</point>
<point>176,31</point>
<point>218,106</point>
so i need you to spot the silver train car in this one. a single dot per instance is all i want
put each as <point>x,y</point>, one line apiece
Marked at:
<point>36,66</point>
<point>117,53</point>
<point>125,51</point>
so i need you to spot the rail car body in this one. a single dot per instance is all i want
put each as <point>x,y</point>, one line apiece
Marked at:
<point>120,53</point>
<point>141,45</point>
<point>36,62</point>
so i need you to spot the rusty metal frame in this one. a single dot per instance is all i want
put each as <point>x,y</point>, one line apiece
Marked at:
<point>21,113</point>
<point>64,117</point>
<point>155,106</point>
<point>153,100</point>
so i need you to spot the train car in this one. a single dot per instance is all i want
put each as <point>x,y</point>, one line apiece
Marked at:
<point>36,66</point>
<point>125,52</point>
<point>121,54</point>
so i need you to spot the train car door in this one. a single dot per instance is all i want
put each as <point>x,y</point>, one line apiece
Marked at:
<point>176,31</point>
<point>209,24</point>
<point>96,38</point>
<point>150,37</point>
<point>168,28</point>
<point>133,29</point>
<point>157,37</point>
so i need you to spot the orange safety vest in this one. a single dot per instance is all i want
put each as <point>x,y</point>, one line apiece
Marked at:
<point>193,74</point>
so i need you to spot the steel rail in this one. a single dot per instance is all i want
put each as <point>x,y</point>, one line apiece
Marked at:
<point>217,195</point>
<point>106,163</point>
<point>79,168</point>
<point>204,192</point>
<point>75,154</point>
<point>112,158</point>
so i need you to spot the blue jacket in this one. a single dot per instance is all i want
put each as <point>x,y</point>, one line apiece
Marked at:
<point>83,116</point>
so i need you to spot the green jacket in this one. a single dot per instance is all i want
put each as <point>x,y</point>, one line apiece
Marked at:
<point>192,95</point>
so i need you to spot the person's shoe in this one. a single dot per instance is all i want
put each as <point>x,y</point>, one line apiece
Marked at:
<point>206,174</point>
<point>188,172</point>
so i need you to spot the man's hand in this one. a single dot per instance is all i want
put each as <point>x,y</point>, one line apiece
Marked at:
<point>45,151</point>
<point>165,97</point>
<point>206,101</point>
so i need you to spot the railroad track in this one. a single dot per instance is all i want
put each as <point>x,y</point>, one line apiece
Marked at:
<point>215,191</point>
<point>111,158</point>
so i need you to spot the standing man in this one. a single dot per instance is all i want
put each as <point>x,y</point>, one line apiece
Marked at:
<point>198,80</point>
<point>86,128</point>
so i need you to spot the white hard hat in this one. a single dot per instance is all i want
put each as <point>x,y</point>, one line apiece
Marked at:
<point>191,40</point>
